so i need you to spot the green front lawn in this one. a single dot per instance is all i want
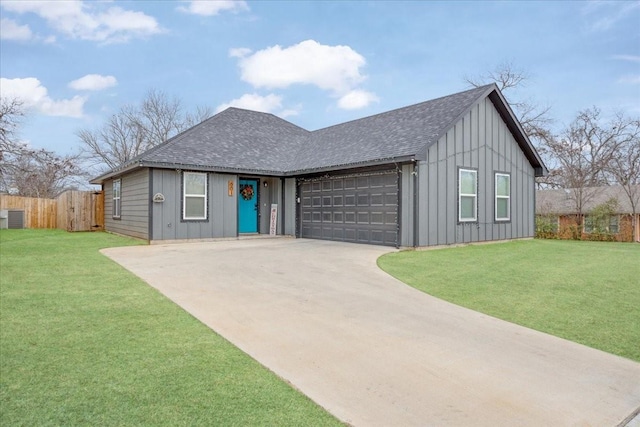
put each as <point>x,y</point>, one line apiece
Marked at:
<point>587,292</point>
<point>85,342</point>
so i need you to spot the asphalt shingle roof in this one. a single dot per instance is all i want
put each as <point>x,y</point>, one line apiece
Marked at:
<point>234,139</point>
<point>250,141</point>
<point>397,133</point>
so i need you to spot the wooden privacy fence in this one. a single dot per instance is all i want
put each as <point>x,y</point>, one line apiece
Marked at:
<point>71,210</point>
<point>38,213</point>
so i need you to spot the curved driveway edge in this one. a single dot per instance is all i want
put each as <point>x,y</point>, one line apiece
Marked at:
<point>376,352</point>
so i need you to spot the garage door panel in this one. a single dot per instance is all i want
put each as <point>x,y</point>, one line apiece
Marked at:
<point>377,199</point>
<point>359,209</point>
<point>391,199</point>
<point>350,217</point>
<point>349,184</point>
<point>350,234</point>
<point>390,218</point>
<point>363,218</point>
<point>377,218</point>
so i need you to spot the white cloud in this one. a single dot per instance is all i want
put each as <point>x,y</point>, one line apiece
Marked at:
<point>34,95</point>
<point>334,68</point>
<point>630,79</point>
<point>630,58</point>
<point>93,21</point>
<point>11,30</point>
<point>93,82</point>
<point>214,7</point>
<point>239,52</point>
<point>357,99</point>
<point>255,102</point>
<point>607,14</point>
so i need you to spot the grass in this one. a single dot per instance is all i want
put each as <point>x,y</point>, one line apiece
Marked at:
<point>84,342</point>
<point>587,292</point>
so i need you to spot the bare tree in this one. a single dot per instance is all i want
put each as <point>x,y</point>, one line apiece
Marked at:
<point>625,165</point>
<point>42,173</point>
<point>135,129</point>
<point>586,152</point>
<point>29,172</point>
<point>11,115</point>
<point>534,119</point>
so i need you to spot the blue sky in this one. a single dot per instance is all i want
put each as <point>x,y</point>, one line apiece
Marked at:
<point>316,64</point>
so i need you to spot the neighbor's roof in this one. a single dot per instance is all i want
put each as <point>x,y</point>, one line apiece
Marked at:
<point>562,201</point>
<point>245,141</point>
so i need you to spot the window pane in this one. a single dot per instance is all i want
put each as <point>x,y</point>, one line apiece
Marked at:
<point>194,207</point>
<point>588,225</point>
<point>194,183</point>
<point>613,225</point>
<point>502,184</point>
<point>116,189</point>
<point>467,182</point>
<point>502,208</point>
<point>467,207</point>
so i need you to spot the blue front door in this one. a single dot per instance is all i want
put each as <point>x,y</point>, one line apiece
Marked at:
<point>248,206</point>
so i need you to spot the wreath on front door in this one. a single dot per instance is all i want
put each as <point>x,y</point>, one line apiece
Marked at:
<point>246,191</point>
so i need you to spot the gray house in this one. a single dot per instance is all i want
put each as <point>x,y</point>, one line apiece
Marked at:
<point>452,170</point>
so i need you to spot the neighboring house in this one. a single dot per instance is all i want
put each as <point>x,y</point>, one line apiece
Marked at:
<point>456,169</point>
<point>557,213</point>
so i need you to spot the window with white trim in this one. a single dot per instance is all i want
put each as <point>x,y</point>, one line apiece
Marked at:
<point>194,196</point>
<point>117,206</point>
<point>503,197</point>
<point>467,195</point>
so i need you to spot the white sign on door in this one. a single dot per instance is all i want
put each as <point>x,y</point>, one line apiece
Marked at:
<point>273,224</point>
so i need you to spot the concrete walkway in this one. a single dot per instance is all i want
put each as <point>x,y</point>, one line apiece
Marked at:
<point>375,352</point>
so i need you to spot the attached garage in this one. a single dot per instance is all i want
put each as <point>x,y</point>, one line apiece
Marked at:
<point>351,208</point>
<point>394,178</point>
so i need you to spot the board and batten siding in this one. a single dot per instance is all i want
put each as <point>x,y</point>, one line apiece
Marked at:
<point>290,205</point>
<point>480,140</point>
<point>134,205</point>
<point>407,205</point>
<point>167,221</point>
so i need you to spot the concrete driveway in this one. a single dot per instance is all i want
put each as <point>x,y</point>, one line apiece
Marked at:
<point>375,352</point>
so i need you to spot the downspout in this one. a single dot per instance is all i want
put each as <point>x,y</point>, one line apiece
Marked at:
<point>398,206</point>
<point>150,214</point>
<point>282,205</point>
<point>415,204</point>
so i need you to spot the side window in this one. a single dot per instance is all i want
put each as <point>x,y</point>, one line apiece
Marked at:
<point>467,195</point>
<point>117,204</point>
<point>194,197</point>
<point>503,197</point>
<point>609,224</point>
<point>588,224</point>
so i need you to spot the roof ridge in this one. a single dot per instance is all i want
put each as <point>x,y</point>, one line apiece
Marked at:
<point>406,107</point>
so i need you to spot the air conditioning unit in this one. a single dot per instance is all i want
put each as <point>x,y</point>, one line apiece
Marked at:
<point>15,219</point>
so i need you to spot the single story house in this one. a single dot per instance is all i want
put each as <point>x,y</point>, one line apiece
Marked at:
<point>557,214</point>
<point>456,169</point>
